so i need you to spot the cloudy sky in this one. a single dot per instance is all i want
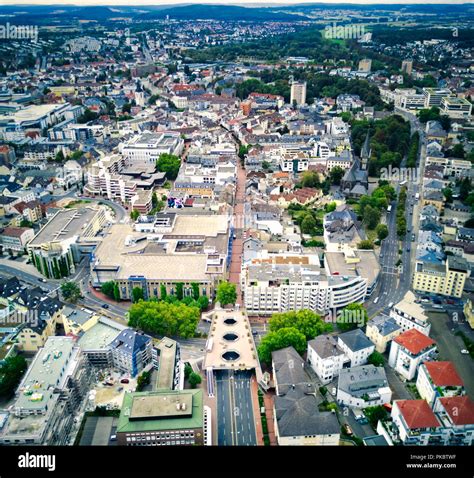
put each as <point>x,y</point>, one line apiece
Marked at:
<point>226,2</point>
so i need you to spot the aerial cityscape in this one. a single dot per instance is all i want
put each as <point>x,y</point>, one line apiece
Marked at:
<point>236,225</point>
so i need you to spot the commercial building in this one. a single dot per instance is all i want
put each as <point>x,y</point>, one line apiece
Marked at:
<point>50,393</point>
<point>409,350</point>
<point>147,147</point>
<point>364,386</point>
<point>434,96</point>
<point>131,351</point>
<point>456,108</point>
<point>284,283</point>
<point>162,417</point>
<point>444,279</point>
<point>55,249</point>
<point>164,250</point>
<point>166,358</point>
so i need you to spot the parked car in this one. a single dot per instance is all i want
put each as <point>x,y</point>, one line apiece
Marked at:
<point>125,380</point>
<point>348,429</point>
<point>105,306</point>
<point>465,352</point>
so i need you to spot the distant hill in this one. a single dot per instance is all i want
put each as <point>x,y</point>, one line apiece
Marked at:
<point>44,14</point>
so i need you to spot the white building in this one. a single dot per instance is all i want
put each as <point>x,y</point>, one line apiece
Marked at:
<point>410,315</point>
<point>325,357</point>
<point>356,346</point>
<point>456,108</point>
<point>49,395</point>
<point>364,386</point>
<point>438,379</point>
<point>147,147</point>
<point>273,287</point>
<point>408,351</point>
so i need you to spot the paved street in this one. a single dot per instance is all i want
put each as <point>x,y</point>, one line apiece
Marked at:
<point>235,417</point>
<point>393,284</point>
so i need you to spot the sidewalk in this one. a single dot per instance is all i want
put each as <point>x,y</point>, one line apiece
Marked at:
<point>256,412</point>
<point>268,400</point>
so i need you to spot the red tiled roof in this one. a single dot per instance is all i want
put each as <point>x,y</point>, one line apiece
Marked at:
<point>443,374</point>
<point>459,409</point>
<point>417,414</point>
<point>14,231</point>
<point>414,341</point>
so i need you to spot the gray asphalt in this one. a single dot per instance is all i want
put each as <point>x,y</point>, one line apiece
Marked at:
<point>393,283</point>
<point>235,418</point>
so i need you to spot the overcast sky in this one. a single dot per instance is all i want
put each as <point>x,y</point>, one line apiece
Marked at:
<point>228,2</point>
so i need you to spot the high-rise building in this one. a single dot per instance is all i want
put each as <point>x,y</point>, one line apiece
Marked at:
<point>298,93</point>
<point>365,65</point>
<point>407,66</point>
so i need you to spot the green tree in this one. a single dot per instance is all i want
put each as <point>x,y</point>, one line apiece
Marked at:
<point>108,288</point>
<point>11,372</point>
<point>143,380</point>
<point>375,414</point>
<point>195,287</point>
<point>371,217</point>
<point>169,164</point>
<point>134,214</point>
<point>352,316</point>
<point>137,294</point>
<point>382,231</point>
<point>226,293</point>
<point>116,292</point>
<point>70,291</point>
<point>163,292</point>
<point>448,194</point>
<point>376,358</point>
<point>188,370</point>
<point>305,321</point>
<point>179,290</point>
<point>365,244</point>
<point>203,302</point>
<point>160,317</point>
<point>286,337</point>
<point>308,224</point>
<point>194,379</point>
<point>335,175</point>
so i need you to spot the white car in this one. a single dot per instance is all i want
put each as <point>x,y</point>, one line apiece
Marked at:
<point>465,352</point>
<point>334,391</point>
